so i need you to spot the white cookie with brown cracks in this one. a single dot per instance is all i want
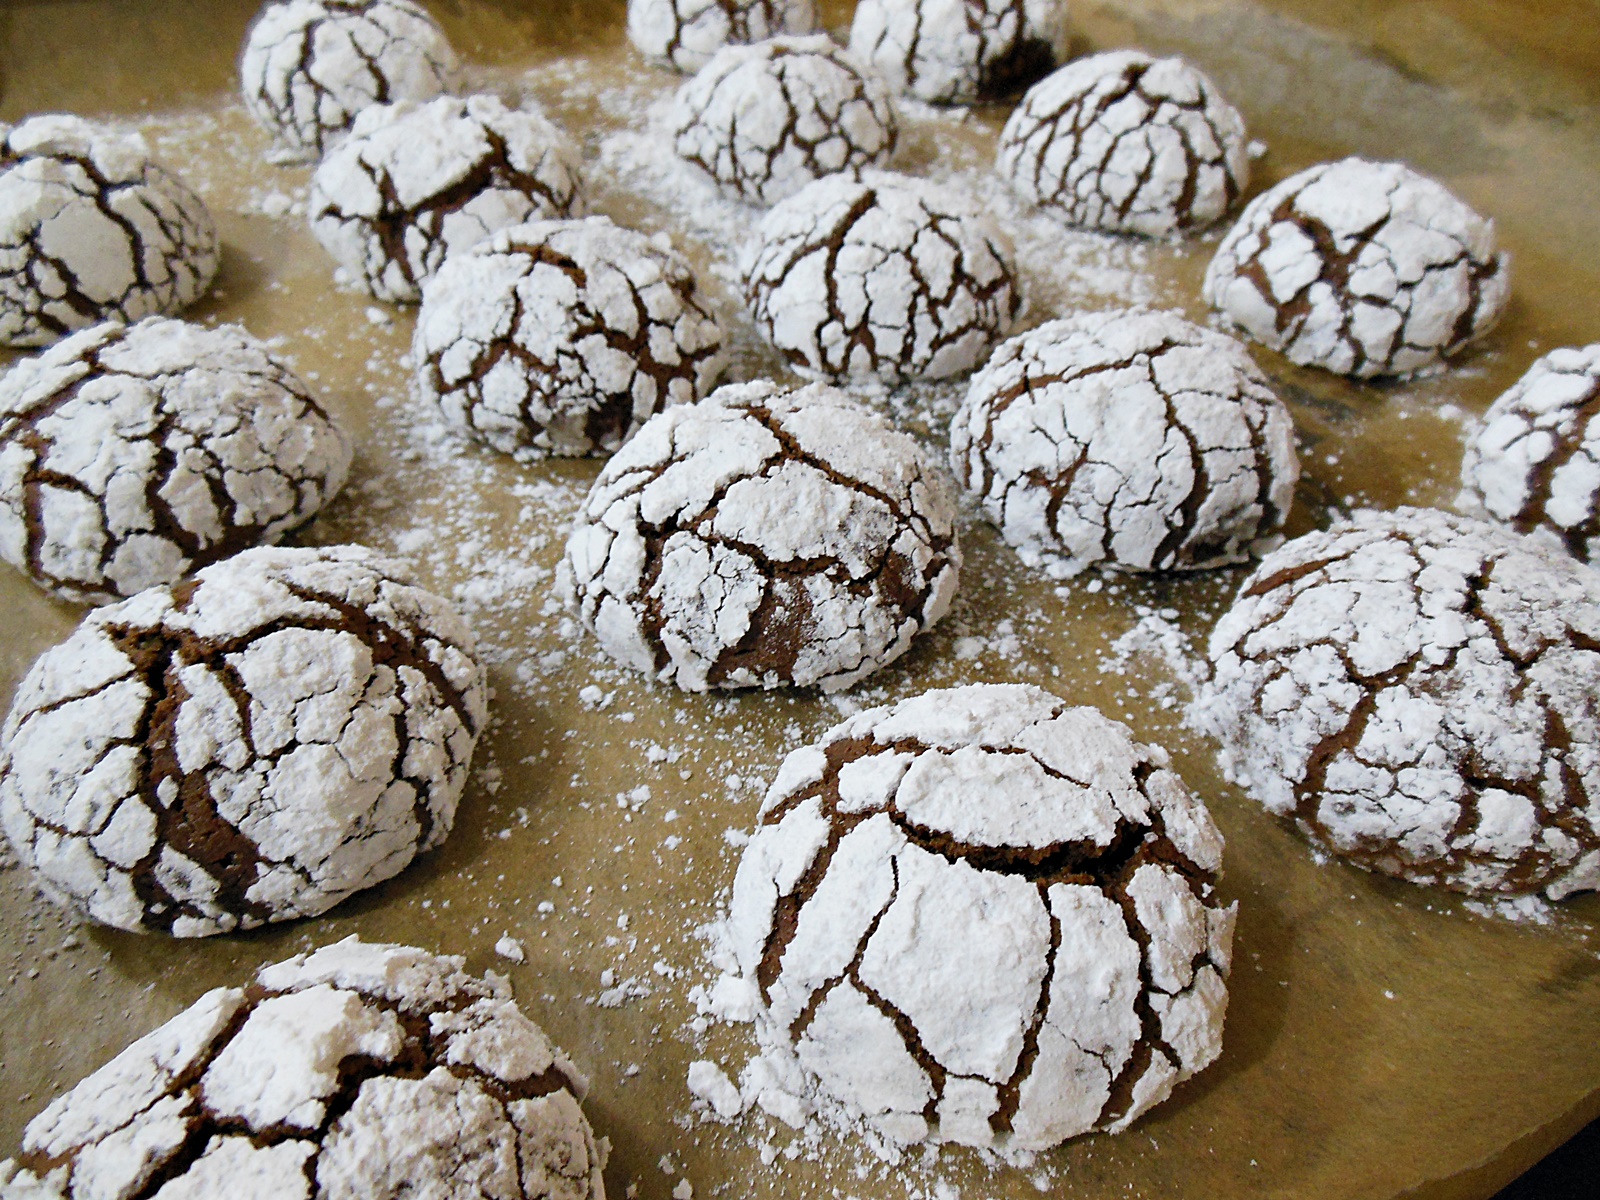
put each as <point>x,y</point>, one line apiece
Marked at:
<point>252,745</point>
<point>309,66</point>
<point>684,34</point>
<point>415,183</point>
<point>359,1071</point>
<point>93,229</point>
<point>763,538</point>
<point>133,455</point>
<point>984,916</point>
<point>1360,268</point>
<point>959,51</point>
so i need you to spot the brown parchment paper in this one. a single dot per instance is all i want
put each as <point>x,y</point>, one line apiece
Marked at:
<point>1382,1040</point>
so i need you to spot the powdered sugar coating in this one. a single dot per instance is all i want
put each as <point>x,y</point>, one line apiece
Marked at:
<point>562,337</point>
<point>132,455</point>
<point>414,183</point>
<point>93,229</point>
<point>958,51</point>
<point>881,274</point>
<point>1362,268</point>
<point>310,66</point>
<point>987,917</point>
<point>356,1070</point>
<point>1534,463</point>
<point>763,538</point>
<point>1420,693</point>
<point>684,34</point>
<point>1128,438</point>
<point>765,120</point>
<point>252,745</point>
<point>1128,143</point>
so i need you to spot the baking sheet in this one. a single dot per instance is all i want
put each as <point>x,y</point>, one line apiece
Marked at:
<point>1382,1040</point>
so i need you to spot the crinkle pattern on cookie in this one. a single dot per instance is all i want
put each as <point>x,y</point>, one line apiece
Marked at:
<point>1128,143</point>
<point>1128,438</point>
<point>92,229</point>
<point>132,455</point>
<point>765,120</point>
<point>1534,463</point>
<point>414,183</point>
<point>685,33</point>
<point>359,1071</point>
<point>252,745</point>
<point>959,51</point>
<point>562,337</point>
<point>1420,693</point>
<point>1361,268</point>
<point>310,66</point>
<point>984,916</point>
<point>763,538</point>
<point>881,275</point>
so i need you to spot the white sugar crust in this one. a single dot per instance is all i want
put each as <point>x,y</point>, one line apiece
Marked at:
<point>765,120</point>
<point>93,229</point>
<point>563,337</point>
<point>246,1077</point>
<point>763,538</point>
<point>1361,268</point>
<point>1128,143</point>
<point>1419,692</point>
<point>1533,463</point>
<point>1127,439</point>
<point>957,51</point>
<point>310,66</point>
<point>960,959</point>
<point>254,745</point>
<point>383,202</point>
<point>685,34</point>
<point>880,274</point>
<point>131,456</point>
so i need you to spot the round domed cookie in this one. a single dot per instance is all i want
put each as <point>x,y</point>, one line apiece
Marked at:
<point>1420,693</point>
<point>1130,439</point>
<point>765,120</point>
<point>958,51</point>
<point>1361,268</point>
<point>414,183</point>
<point>1534,462</point>
<point>1127,143</point>
<point>93,229</point>
<point>684,34</point>
<point>357,1071</point>
<point>763,538</point>
<point>310,66</point>
<point>881,275</point>
<point>132,455</point>
<point>562,337</point>
<point>984,916</point>
<point>251,745</point>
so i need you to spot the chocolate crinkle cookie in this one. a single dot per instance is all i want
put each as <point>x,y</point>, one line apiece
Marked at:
<point>763,121</point>
<point>414,183</point>
<point>92,229</point>
<point>881,275</point>
<point>1361,268</point>
<point>1420,693</point>
<point>132,455</point>
<point>1127,143</point>
<point>251,745</point>
<point>959,51</point>
<point>1534,462</point>
<point>983,916</point>
<point>763,538</point>
<point>562,337</point>
<point>684,34</point>
<point>1131,439</point>
<point>310,66</point>
<point>359,1071</point>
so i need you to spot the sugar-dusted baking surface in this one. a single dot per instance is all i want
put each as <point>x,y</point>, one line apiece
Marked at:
<point>1382,1040</point>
